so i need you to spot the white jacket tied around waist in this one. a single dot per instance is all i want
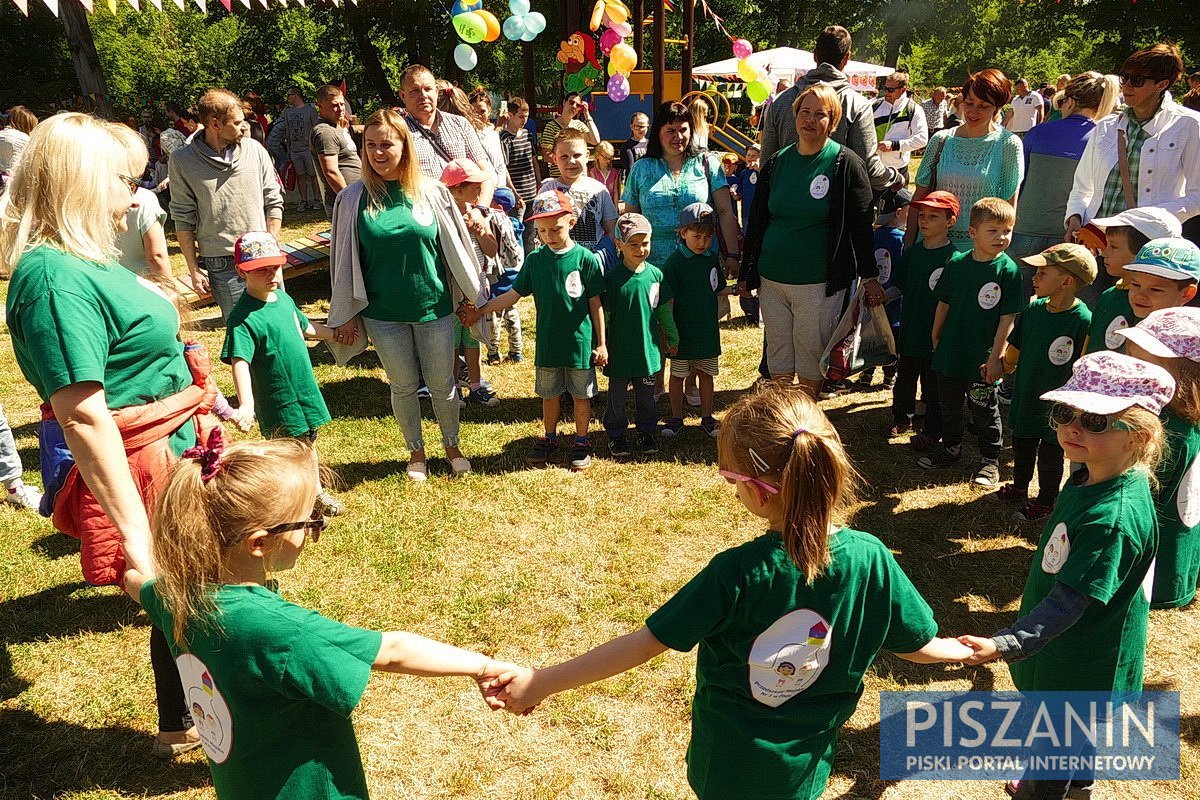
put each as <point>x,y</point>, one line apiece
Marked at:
<point>349,290</point>
<point>1168,173</point>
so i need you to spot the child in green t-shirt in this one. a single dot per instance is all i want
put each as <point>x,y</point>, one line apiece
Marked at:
<point>916,277</point>
<point>271,685</point>
<point>1164,275</point>
<point>1120,237</point>
<point>264,342</point>
<point>638,301</point>
<point>1046,341</point>
<point>566,283</point>
<point>696,280</point>
<point>1084,612</point>
<point>787,623</point>
<point>1171,339</point>
<point>979,295</point>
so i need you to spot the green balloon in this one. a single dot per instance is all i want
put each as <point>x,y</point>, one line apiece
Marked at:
<point>470,26</point>
<point>757,91</point>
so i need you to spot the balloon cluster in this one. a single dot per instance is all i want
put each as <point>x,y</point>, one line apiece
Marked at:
<point>613,16</point>
<point>758,83</point>
<point>475,24</point>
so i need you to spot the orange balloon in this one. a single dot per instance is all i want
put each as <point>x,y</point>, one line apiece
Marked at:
<point>493,25</point>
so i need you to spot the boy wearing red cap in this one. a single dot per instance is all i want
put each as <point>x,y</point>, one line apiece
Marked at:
<point>566,283</point>
<point>264,342</point>
<point>916,276</point>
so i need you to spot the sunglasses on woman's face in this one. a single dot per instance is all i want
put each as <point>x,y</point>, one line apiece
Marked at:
<point>1091,422</point>
<point>312,526</point>
<point>737,477</point>
<point>1136,81</point>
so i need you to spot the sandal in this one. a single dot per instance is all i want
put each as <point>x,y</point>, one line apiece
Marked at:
<point>417,471</point>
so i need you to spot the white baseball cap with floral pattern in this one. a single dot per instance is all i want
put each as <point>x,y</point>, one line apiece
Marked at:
<point>1168,333</point>
<point>1108,383</point>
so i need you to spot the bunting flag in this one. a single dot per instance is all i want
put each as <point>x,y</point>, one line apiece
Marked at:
<point>157,4</point>
<point>180,4</point>
<point>246,3</point>
<point>52,5</point>
<point>23,5</point>
<point>112,6</point>
<point>88,4</point>
<point>203,4</point>
<point>137,5</point>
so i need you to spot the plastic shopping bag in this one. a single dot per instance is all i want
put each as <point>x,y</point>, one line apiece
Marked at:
<point>862,340</point>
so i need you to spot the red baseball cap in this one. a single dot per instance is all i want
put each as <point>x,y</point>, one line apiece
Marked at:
<point>257,250</point>
<point>550,204</point>
<point>939,199</point>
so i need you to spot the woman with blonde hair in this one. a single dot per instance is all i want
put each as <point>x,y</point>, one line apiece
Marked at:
<point>400,269</point>
<point>142,244</point>
<point>101,349</point>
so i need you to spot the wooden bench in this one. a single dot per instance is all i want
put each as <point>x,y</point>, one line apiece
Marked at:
<point>304,255</point>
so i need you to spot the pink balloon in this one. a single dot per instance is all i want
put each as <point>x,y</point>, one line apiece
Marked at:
<point>608,40</point>
<point>742,48</point>
<point>618,88</point>
<point>623,29</point>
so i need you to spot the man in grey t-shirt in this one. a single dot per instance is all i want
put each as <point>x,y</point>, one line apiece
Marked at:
<point>299,119</point>
<point>337,161</point>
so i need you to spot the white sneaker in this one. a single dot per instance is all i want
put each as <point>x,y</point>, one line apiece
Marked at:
<point>24,496</point>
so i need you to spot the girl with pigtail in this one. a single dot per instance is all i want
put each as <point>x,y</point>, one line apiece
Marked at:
<point>787,624</point>
<point>270,685</point>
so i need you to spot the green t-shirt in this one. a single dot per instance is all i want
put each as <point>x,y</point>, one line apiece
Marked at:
<point>561,285</point>
<point>1177,567</point>
<point>75,321</point>
<point>1050,344</point>
<point>795,246</point>
<point>271,692</point>
<point>978,293</point>
<point>917,276</point>
<point>1111,314</point>
<point>402,262</point>
<point>270,336</point>
<point>633,339</point>
<point>695,281</point>
<point>781,662</point>
<point>1100,541</point>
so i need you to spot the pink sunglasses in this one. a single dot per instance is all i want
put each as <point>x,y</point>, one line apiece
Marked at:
<point>737,477</point>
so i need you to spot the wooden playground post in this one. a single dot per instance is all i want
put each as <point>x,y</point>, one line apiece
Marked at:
<point>660,46</point>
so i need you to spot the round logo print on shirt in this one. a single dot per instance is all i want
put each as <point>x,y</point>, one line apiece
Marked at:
<point>1060,350</point>
<point>883,260</point>
<point>1187,498</point>
<point>934,277</point>
<point>1111,340</point>
<point>819,187</point>
<point>210,713</point>
<point>1058,549</point>
<point>574,285</point>
<point>422,214</point>
<point>753,178</point>
<point>653,295</point>
<point>789,656</point>
<point>714,279</point>
<point>989,295</point>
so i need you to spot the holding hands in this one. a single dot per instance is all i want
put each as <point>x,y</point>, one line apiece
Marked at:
<point>468,314</point>
<point>983,650</point>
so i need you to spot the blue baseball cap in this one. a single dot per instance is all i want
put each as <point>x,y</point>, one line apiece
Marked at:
<point>504,198</point>
<point>1171,258</point>
<point>696,214</point>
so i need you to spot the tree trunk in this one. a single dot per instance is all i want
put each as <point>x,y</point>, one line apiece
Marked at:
<point>87,63</point>
<point>370,57</point>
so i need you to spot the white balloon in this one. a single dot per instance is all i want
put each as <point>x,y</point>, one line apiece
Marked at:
<point>465,58</point>
<point>518,7</point>
<point>536,22</point>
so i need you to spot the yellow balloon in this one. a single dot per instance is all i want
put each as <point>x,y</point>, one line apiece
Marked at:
<point>493,25</point>
<point>746,70</point>
<point>622,59</point>
<point>618,12</point>
<point>597,15</point>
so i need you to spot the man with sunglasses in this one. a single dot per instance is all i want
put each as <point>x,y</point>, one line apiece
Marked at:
<point>900,124</point>
<point>1147,155</point>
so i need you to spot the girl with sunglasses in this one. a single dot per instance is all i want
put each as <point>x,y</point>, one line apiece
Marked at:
<point>1170,338</point>
<point>786,623</point>
<point>270,685</point>
<point>1084,611</point>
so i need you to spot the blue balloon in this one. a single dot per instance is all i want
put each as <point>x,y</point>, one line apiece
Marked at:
<point>465,58</point>
<point>513,28</point>
<point>528,35</point>
<point>535,22</point>
<point>461,7</point>
<point>519,7</point>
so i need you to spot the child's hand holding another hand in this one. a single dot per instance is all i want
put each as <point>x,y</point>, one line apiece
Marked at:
<point>468,314</point>
<point>244,419</point>
<point>600,356</point>
<point>983,649</point>
<point>521,693</point>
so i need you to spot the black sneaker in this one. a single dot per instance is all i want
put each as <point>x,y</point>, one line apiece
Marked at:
<point>619,447</point>
<point>493,359</point>
<point>940,458</point>
<point>672,427</point>
<point>581,455</point>
<point>514,358</point>
<point>483,396</point>
<point>988,474</point>
<point>543,450</point>
<point>710,426</point>
<point>648,443</point>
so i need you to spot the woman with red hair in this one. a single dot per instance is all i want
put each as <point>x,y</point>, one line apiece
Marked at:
<point>976,159</point>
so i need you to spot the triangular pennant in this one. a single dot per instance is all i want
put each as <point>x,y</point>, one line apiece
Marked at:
<point>23,5</point>
<point>52,5</point>
<point>137,6</point>
<point>203,6</point>
<point>157,4</point>
<point>88,5</point>
<point>225,3</point>
<point>180,4</point>
<point>246,3</point>
<point>112,6</point>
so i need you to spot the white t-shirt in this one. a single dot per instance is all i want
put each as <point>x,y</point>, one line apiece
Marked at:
<point>593,207</point>
<point>132,253</point>
<point>12,142</point>
<point>1025,111</point>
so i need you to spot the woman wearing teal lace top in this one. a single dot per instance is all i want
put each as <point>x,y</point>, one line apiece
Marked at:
<point>976,159</point>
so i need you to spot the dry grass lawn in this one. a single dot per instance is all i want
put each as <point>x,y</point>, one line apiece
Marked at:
<point>532,565</point>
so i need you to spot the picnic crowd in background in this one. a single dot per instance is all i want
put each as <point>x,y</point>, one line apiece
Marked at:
<point>1040,260</point>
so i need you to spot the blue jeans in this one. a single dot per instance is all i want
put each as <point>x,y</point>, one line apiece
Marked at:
<point>10,459</point>
<point>404,349</point>
<point>616,420</point>
<point>226,285</point>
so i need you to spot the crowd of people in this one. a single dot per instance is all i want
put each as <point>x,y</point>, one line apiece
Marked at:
<point>1037,259</point>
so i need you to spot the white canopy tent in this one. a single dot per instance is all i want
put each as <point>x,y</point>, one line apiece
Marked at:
<point>789,63</point>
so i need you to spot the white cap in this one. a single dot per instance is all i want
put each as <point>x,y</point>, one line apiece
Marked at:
<point>1150,221</point>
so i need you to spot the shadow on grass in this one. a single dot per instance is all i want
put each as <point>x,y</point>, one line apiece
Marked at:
<point>52,759</point>
<point>55,546</point>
